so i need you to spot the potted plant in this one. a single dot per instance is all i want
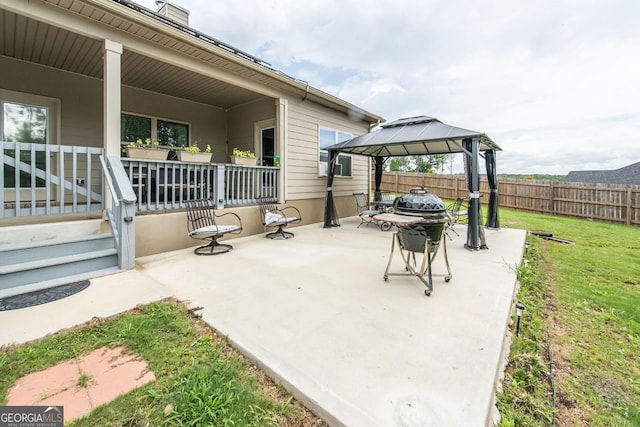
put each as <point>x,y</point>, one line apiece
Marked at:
<point>147,149</point>
<point>193,154</point>
<point>240,157</point>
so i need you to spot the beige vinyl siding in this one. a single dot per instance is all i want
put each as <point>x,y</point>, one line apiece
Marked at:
<point>303,181</point>
<point>241,121</point>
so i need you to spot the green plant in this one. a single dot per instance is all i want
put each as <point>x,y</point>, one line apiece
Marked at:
<point>247,153</point>
<point>83,381</point>
<point>147,143</point>
<point>192,149</point>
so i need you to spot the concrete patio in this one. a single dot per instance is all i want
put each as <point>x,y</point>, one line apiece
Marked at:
<point>316,314</point>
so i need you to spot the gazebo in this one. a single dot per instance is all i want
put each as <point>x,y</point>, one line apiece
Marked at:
<point>423,135</point>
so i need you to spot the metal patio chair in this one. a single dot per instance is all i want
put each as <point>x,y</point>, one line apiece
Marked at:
<point>274,216</point>
<point>458,214</point>
<point>366,212</point>
<point>203,224</point>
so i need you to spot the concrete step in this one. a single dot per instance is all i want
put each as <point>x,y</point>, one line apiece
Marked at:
<point>30,272</point>
<point>11,254</point>
<point>33,255</point>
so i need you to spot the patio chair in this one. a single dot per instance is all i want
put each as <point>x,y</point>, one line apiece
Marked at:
<point>458,214</point>
<point>366,213</point>
<point>274,216</point>
<point>202,223</point>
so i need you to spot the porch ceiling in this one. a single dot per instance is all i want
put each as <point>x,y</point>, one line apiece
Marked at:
<point>30,40</point>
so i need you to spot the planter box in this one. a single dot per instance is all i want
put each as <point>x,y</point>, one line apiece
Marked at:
<point>146,153</point>
<point>243,160</point>
<point>185,156</point>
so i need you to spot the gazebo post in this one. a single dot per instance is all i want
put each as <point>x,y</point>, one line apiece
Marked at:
<point>473,239</point>
<point>330,214</point>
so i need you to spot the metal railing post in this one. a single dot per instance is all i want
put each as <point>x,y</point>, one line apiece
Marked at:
<point>219,196</point>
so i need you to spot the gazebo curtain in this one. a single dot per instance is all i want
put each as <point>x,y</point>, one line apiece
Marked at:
<point>475,233</point>
<point>493,220</point>
<point>379,169</point>
<point>330,214</point>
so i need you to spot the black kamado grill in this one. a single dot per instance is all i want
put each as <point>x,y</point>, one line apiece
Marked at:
<point>423,235</point>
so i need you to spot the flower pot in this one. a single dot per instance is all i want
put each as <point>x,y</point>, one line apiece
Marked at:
<point>243,160</point>
<point>186,156</point>
<point>146,153</point>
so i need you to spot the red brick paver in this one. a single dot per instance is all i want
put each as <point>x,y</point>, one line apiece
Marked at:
<point>110,373</point>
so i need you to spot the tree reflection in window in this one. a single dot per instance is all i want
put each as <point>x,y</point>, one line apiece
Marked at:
<point>173,134</point>
<point>133,128</point>
<point>26,124</point>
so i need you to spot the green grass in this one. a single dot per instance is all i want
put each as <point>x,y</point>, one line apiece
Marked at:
<point>582,307</point>
<point>200,379</point>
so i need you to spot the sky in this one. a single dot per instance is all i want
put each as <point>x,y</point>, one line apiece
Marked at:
<point>555,83</point>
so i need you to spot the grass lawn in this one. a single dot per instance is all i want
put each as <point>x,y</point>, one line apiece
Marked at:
<point>581,324</point>
<point>200,379</point>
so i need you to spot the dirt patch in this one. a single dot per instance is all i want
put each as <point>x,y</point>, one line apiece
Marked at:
<point>567,410</point>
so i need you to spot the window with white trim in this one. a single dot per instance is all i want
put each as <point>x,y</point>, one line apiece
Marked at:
<point>328,137</point>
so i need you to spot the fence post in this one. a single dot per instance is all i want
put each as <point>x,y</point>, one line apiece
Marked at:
<point>552,205</point>
<point>628,210</point>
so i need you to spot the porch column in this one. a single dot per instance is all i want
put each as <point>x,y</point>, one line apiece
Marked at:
<point>111,97</point>
<point>282,124</point>
<point>111,100</point>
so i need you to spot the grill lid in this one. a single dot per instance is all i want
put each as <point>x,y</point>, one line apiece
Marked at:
<point>419,200</point>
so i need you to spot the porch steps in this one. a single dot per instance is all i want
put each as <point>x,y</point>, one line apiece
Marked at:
<point>39,257</point>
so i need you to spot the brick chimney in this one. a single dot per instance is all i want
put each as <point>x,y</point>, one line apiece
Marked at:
<point>172,11</point>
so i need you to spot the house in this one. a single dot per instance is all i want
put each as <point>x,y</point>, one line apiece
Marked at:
<point>627,175</point>
<point>82,79</point>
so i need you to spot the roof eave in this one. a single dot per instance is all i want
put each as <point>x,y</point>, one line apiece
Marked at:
<point>304,90</point>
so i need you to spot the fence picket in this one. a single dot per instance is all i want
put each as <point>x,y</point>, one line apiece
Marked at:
<point>602,202</point>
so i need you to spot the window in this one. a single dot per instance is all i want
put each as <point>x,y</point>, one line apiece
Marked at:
<point>329,137</point>
<point>134,127</point>
<point>29,119</point>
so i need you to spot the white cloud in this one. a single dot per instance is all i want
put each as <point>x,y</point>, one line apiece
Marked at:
<point>554,83</point>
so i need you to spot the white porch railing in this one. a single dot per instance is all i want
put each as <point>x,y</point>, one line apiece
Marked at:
<point>49,179</point>
<point>58,179</point>
<point>165,184</point>
<point>122,211</point>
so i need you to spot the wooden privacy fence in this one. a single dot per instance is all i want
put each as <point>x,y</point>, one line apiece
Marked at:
<point>602,202</point>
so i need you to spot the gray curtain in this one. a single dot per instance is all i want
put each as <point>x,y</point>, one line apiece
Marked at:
<point>379,168</point>
<point>493,221</point>
<point>475,233</point>
<point>330,214</point>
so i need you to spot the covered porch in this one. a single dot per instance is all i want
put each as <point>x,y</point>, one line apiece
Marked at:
<point>72,93</point>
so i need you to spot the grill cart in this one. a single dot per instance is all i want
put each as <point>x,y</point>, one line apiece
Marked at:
<point>420,218</point>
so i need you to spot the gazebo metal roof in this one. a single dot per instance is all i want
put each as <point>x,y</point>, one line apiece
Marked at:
<point>413,136</point>
<point>424,135</point>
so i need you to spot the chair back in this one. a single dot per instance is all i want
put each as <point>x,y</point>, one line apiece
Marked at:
<point>456,205</point>
<point>362,202</point>
<point>386,196</point>
<point>200,213</point>
<point>267,204</point>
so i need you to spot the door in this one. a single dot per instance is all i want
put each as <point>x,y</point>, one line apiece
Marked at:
<point>268,157</point>
<point>268,146</point>
<point>28,119</point>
